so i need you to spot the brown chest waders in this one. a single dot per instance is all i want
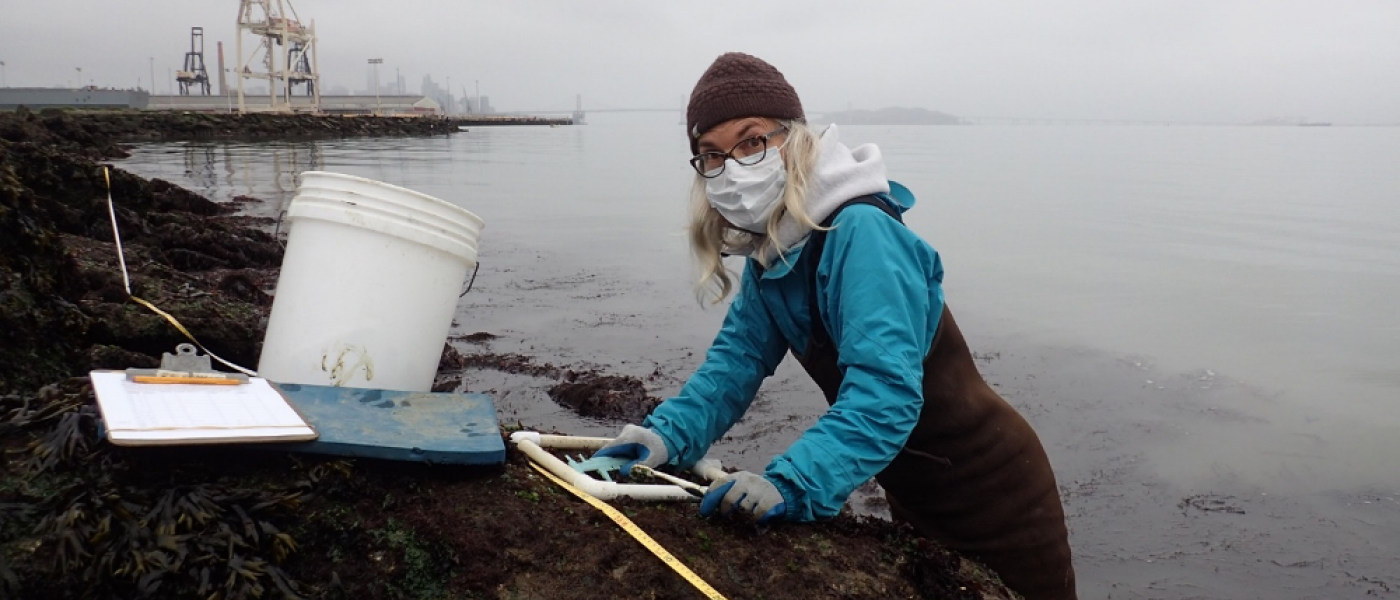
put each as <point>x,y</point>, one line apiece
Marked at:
<point>973,475</point>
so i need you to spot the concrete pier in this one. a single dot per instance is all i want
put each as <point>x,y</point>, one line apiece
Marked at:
<point>485,120</point>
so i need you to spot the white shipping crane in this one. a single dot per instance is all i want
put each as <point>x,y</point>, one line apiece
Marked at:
<point>285,55</point>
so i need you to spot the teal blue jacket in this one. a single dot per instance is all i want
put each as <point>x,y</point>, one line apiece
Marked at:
<point>879,292</point>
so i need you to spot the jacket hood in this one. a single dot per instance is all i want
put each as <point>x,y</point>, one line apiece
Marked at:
<point>840,174</point>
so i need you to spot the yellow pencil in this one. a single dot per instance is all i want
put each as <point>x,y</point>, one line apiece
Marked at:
<point>194,380</point>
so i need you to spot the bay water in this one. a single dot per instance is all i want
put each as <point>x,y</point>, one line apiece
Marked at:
<point>1200,322</point>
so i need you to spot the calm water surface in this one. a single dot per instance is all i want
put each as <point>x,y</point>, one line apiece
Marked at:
<point>1200,322</point>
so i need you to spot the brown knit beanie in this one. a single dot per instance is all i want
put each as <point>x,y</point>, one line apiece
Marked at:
<point>738,85</point>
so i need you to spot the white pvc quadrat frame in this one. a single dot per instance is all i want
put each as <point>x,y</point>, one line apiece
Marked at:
<point>533,444</point>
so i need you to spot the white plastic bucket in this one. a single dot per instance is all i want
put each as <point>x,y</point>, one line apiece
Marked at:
<point>369,285</point>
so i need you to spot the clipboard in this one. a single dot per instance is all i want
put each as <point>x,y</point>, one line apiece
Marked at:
<point>145,414</point>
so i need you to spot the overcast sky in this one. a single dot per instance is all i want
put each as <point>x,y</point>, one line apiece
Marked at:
<point>1188,60</point>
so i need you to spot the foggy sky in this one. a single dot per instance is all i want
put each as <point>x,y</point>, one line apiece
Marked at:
<point>1187,60</point>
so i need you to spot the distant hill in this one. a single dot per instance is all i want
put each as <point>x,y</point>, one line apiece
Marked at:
<point>891,116</point>
<point>1288,121</point>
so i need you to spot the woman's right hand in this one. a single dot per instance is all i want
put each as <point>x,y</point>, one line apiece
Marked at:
<point>638,444</point>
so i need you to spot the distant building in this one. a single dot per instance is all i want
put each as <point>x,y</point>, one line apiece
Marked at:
<point>426,106</point>
<point>438,93</point>
<point>88,97</point>
<point>478,105</point>
<point>362,104</point>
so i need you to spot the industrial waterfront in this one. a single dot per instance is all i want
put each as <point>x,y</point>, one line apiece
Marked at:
<point>1182,282</point>
<point>279,73</point>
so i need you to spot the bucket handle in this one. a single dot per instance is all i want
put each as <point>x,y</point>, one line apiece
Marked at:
<point>473,280</point>
<point>277,231</point>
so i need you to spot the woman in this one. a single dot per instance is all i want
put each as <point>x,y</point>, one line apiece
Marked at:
<point>833,276</point>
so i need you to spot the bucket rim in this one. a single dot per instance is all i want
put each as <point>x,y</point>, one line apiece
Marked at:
<point>317,208</point>
<point>457,220</point>
<point>461,247</point>
<point>390,186</point>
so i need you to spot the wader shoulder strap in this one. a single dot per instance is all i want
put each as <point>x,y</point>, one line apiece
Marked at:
<point>821,338</point>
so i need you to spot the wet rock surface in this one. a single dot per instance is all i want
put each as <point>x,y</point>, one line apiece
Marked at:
<point>81,518</point>
<point>588,392</point>
<point>594,394</point>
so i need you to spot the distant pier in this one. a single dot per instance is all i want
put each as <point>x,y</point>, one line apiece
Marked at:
<point>488,120</point>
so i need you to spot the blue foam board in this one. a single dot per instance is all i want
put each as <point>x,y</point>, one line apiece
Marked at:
<point>438,428</point>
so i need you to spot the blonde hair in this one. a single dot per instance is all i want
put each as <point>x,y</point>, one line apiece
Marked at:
<point>710,236</point>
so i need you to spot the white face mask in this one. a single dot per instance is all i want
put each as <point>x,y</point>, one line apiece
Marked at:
<point>746,195</point>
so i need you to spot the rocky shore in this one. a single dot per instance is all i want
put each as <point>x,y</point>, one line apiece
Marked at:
<point>127,126</point>
<point>81,518</point>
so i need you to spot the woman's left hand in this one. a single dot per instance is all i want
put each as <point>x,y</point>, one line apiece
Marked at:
<point>748,495</point>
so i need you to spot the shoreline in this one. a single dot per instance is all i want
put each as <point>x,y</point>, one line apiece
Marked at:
<point>253,521</point>
<point>130,126</point>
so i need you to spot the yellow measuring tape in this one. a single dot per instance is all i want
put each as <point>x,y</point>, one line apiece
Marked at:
<point>637,533</point>
<point>176,323</point>
<point>126,280</point>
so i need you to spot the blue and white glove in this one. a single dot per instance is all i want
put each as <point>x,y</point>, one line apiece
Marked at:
<point>748,495</point>
<point>639,444</point>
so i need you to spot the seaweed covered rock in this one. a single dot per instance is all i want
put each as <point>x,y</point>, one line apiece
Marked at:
<point>81,519</point>
<point>63,306</point>
<point>97,134</point>
<point>53,126</point>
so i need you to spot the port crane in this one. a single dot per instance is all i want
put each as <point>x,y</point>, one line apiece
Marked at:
<point>194,73</point>
<point>284,56</point>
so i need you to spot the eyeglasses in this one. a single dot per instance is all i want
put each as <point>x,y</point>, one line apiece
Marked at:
<point>748,151</point>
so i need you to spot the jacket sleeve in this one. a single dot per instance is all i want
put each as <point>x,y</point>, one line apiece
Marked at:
<point>747,349</point>
<point>879,291</point>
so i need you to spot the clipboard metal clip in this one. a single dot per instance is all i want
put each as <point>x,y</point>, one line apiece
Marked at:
<point>186,363</point>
